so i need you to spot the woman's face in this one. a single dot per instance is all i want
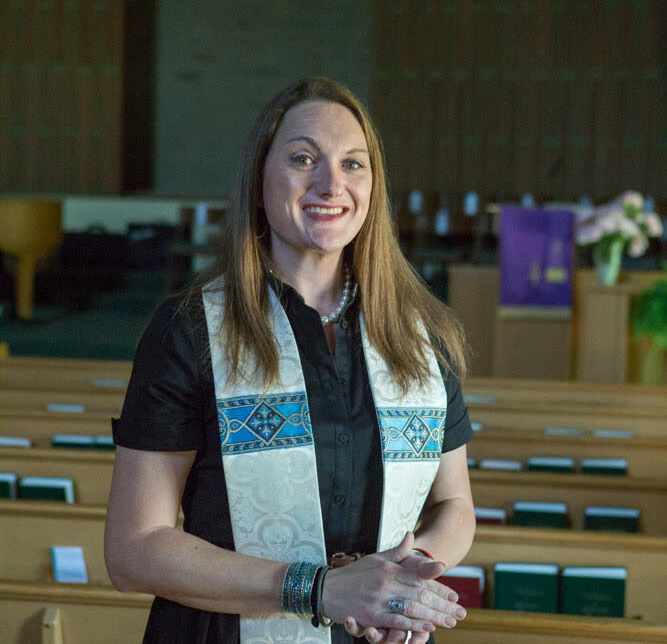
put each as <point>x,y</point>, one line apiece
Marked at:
<point>317,181</point>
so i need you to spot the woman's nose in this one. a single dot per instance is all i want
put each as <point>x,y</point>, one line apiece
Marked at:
<point>330,180</point>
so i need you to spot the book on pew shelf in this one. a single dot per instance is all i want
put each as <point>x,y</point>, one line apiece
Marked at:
<point>104,442</point>
<point>612,466</point>
<point>68,565</point>
<point>46,488</point>
<point>491,516</point>
<point>72,440</point>
<point>66,408</point>
<point>14,441</point>
<point>7,485</point>
<point>476,427</point>
<point>560,464</point>
<point>472,462</point>
<point>612,433</point>
<point>468,582</point>
<point>526,587</point>
<point>596,591</point>
<point>615,519</point>
<point>540,515</point>
<point>110,382</point>
<point>497,464</point>
<point>563,431</point>
<point>478,398</point>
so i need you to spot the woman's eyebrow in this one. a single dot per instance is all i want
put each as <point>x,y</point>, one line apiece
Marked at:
<point>311,141</point>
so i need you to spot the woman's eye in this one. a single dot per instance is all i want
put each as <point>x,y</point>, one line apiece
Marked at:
<point>353,164</point>
<point>302,159</point>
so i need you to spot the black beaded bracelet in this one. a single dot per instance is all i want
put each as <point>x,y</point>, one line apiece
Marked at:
<point>316,600</point>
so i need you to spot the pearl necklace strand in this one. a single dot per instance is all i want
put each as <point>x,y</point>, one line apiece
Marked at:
<point>335,315</point>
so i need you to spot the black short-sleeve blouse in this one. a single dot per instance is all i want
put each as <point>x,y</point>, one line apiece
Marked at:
<point>170,406</point>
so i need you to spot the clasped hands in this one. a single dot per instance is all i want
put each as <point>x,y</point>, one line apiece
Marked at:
<point>359,595</point>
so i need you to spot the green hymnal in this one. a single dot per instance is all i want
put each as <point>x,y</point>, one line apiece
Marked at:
<point>72,440</point>
<point>613,466</point>
<point>593,591</point>
<point>551,464</point>
<point>526,587</point>
<point>491,516</point>
<point>7,485</point>
<point>476,427</point>
<point>612,433</point>
<point>617,519</point>
<point>540,515</point>
<point>472,462</point>
<point>497,464</point>
<point>46,488</point>
<point>104,442</point>
<point>563,431</point>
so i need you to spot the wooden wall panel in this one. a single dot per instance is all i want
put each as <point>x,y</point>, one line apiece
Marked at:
<point>556,97</point>
<point>61,95</point>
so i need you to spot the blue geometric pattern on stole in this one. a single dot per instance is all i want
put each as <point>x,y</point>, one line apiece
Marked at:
<point>412,433</point>
<point>256,423</point>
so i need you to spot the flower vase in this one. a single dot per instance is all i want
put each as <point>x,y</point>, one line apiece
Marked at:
<point>607,256</point>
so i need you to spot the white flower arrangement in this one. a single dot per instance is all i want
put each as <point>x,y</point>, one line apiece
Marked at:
<point>622,221</point>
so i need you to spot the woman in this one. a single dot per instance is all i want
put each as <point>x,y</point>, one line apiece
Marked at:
<point>303,403</point>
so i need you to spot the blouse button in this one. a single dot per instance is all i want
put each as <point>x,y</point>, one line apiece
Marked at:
<point>339,499</point>
<point>343,439</point>
<point>344,324</point>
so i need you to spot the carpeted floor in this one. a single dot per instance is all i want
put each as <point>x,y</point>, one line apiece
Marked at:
<point>91,316</point>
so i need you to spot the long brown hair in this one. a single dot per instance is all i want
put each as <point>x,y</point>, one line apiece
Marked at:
<point>393,297</point>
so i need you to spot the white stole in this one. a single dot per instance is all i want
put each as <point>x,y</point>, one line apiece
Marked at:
<point>269,463</point>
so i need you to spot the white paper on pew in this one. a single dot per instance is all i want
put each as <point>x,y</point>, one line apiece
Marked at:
<point>478,398</point>
<point>14,441</point>
<point>468,571</point>
<point>66,409</point>
<point>533,569</point>
<point>601,572</point>
<point>495,464</point>
<point>69,565</point>
<point>551,461</point>
<point>623,513</point>
<point>491,513</point>
<point>612,433</point>
<point>110,382</point>
<point>611,463</point>
<point>563,431</point>
<point>538,506</point>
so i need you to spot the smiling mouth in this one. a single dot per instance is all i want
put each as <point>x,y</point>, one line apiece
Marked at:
<point>326,212</point>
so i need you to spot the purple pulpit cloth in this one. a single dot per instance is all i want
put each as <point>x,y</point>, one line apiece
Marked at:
<point>536,258</point>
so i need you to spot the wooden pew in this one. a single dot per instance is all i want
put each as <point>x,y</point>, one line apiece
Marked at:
<point>645,558</point>
<point>28,529</point>
<point>501,489</point>
<point>91,472</point>
<point>64,374</point>
<point>88,613</point>
<point>646,456</point>
<point>39,400</point>
<point>40,426</point>
<point>648,424</point>
<point>510,627</point>
<point>518,391</point>
<point>104,616</point>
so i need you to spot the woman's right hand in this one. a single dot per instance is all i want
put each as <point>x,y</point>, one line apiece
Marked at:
<point>362,591</point>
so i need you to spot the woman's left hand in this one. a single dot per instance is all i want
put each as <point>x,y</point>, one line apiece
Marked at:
<point>384,635</point>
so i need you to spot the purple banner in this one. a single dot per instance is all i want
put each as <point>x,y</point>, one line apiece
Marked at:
<point>536,257</point>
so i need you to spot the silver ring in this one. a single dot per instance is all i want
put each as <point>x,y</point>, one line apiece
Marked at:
<point>396,606</point>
